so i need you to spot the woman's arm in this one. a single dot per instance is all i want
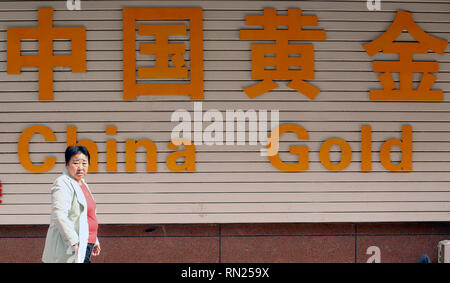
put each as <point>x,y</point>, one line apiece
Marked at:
<point>62,197</point>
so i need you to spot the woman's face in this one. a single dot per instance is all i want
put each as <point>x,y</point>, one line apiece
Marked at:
<point>78,166</point>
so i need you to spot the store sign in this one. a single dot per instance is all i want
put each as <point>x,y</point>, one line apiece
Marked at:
<point>271,62</point>
<point>406,66</point>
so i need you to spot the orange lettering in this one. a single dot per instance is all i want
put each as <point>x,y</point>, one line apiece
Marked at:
<point>131,148</point>
<point>406,66</point>
<point>406,148</point>
<point>164,52</point>
<point>188,154</point>
<point>346,154</point>
<point>301,151</point>
<point>111,150</point>
<point>45,61</point>
<point>24,153</point>
<point>293,62</point>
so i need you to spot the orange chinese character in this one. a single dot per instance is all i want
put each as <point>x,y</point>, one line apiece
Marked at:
<point>45,61</point>
<point>406,66</point>
<point>169,60</point>
<point>282,60</point>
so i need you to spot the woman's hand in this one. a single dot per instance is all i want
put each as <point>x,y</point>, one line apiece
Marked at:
<point>96,250</point>
<point>75,248</point>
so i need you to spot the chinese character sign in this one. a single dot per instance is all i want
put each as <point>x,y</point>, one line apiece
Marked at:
<point>169,60</point>
<point>294,62</point>
<point>406,66</point>
<point>45,33</point>
<point>157,62</point>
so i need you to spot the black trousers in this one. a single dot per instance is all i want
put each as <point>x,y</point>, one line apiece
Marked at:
<point>87,258</point>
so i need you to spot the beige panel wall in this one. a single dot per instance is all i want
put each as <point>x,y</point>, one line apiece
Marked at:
<point>231,183</point>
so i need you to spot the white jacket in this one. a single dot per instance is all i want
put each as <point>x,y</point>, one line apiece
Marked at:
<point>68,222</point>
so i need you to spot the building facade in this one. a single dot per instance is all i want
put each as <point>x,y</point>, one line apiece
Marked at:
<point>229,131</point>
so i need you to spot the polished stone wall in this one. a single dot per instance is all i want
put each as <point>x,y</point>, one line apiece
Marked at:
<point>224,243</point>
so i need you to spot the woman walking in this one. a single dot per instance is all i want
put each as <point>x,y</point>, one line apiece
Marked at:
<point>72,234</point>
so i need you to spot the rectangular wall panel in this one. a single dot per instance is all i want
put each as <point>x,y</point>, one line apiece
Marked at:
<point>231,183</point>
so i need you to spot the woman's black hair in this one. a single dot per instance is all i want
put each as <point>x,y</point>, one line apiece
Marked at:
<point>74,150</point>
